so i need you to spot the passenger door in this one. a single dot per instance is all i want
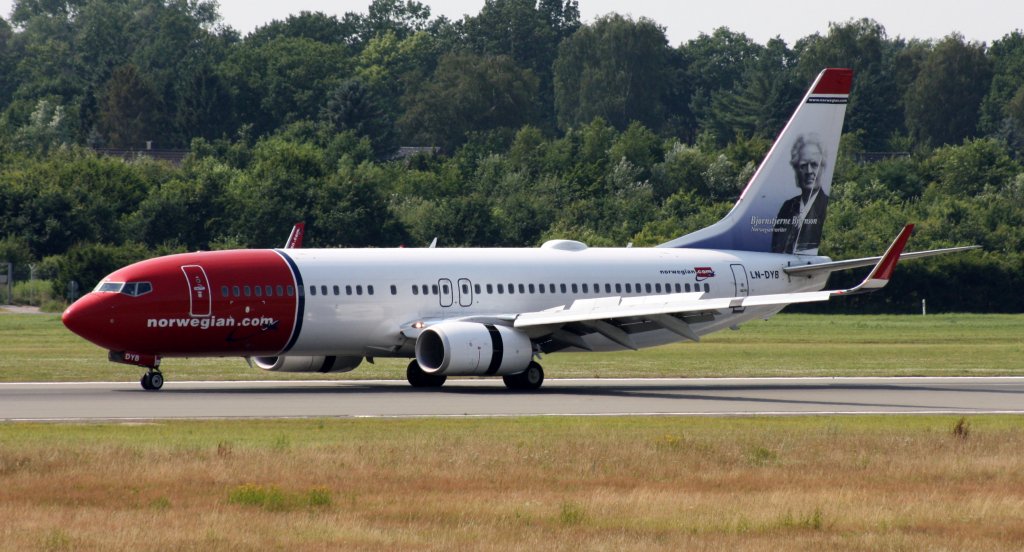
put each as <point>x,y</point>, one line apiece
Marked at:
<point>200,294</point>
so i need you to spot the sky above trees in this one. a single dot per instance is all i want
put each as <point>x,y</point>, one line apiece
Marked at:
<point>982,20</point>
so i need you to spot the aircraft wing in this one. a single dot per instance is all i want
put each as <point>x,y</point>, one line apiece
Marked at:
<point>613,317</point>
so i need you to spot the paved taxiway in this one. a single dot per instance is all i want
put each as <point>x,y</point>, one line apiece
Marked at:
<point>127,401</point>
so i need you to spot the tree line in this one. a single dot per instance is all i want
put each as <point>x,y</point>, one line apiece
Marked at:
<point>542,126</point>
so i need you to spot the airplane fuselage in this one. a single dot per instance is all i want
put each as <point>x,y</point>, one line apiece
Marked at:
<point>367,302</point>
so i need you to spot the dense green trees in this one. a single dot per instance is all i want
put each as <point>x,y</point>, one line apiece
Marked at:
<point>616,69</point>
<point>546,128</point>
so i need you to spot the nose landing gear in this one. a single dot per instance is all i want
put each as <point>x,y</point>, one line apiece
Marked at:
<point>152,380</point>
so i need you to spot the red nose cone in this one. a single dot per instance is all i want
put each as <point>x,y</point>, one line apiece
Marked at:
<point>90,318</point>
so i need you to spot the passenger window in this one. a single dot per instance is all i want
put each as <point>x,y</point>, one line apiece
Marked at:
<point>575,289</point>
<point>445,289</point>
<point>522,288</point>
<point>248,291</point>
<point>647,287</point>
<point>687,288</point>
<point>259,291</point>
<point>337,290</point>
<point>312,290</point>
<point>465,289</point>
<point>490,289</point>
<point>679,287</point>
<point>280,291</point>
<point>607,288</point>
<point>540,287</point>
<point>561,287</point>
<point>369,290</point>
<point>476,287</point>
<point>511,289</point>
<point>532,289</point>
<point>415,290</point>
<point>433,289</point>
<point>223,291</point>
<point>291,291</point>
<point>629,288</point>
<point>707,288</point>
<point>235,291</point>
<point>348,290</point>
<point>359,290</point>
<point>618,288</point>
<point>657,288</point>
<point>394,289</point>
<point>501,288</point>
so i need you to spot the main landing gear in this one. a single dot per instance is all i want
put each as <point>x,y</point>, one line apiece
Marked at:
<point>152,380</point>
<point>528,380</point>
<point>418,378</point>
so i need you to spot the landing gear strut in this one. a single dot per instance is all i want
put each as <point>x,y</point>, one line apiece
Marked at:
<point>152,380</point>
<point>528,380</point>
<point>418,378</point>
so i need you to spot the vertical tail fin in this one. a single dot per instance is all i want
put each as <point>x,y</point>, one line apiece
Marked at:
<point>782,209</point>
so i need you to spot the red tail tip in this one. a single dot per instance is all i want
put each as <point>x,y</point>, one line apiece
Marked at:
<point>835,81</point>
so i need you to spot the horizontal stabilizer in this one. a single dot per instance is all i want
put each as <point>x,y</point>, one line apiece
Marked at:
<point>819,268</point>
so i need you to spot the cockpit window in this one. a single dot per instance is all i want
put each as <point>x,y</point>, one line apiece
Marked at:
<point>109,287</point>
<point>135,289</point>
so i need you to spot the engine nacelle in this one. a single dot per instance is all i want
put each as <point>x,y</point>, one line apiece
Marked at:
<point>473,349</point>
<point>323,364</point>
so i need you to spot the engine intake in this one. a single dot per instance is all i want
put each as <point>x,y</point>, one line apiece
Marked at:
<point>322,364</point>
<point>473,349</point>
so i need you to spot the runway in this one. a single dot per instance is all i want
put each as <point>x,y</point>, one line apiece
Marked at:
<point>471,397</point>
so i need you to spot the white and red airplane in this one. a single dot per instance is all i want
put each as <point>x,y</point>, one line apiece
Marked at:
<point>494,312</point>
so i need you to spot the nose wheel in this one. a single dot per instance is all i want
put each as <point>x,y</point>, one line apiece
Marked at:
<point>152,380</point>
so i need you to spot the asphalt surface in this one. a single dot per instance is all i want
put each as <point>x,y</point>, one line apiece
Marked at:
<point>471,397</point>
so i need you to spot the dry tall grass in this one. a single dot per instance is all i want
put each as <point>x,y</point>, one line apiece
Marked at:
<point>853,483</point>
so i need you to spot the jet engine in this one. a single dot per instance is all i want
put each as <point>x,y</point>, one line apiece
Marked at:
<point>473,349</point>
<point>323,364</point>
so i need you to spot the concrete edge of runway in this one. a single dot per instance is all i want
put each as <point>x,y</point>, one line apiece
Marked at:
<point>389,399</point>
<point>550,381</point>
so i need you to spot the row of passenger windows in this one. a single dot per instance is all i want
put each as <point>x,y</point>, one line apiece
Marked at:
<point>443,289</point>
<point>512,288</point>
<point>257,291</point>
<point>349,290</point>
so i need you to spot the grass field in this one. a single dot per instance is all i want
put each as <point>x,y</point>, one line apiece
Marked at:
<point>39,348</point>
<point>802,483</point>
<point>545,483</point>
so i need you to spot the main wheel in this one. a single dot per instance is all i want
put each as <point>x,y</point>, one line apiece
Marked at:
<point>418,378</point>
<point>528,380</point>
<point>147,382</point>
